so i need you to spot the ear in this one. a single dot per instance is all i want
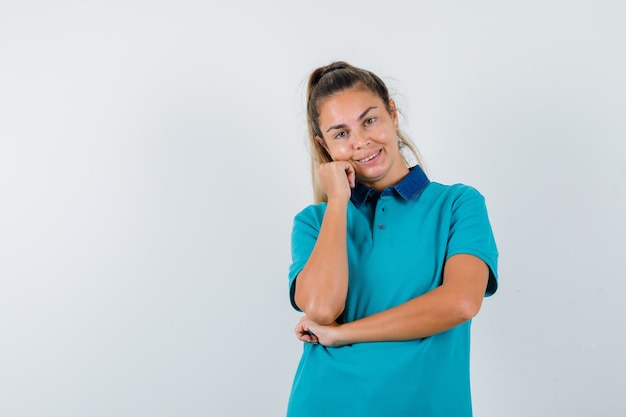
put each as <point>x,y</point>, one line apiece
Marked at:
<point>322,142</point>
<point>394,112</point>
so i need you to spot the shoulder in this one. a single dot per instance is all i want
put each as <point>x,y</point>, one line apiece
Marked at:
<point>452,193</point>
<point>312,214</point>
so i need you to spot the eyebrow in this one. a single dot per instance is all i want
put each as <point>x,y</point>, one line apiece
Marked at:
<point>361,116</point>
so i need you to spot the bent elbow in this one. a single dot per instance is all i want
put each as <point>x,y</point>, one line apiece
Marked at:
<point>323,314</point>
<point>467,309</point>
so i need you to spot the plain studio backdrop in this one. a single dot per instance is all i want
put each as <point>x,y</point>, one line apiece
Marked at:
<point>153,155</point>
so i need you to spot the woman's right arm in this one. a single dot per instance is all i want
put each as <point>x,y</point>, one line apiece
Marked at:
<point>322,285</point>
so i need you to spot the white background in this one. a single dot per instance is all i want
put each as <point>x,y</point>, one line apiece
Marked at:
<point>153,155</point>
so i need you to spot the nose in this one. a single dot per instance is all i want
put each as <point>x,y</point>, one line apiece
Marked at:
<point>360,140</point>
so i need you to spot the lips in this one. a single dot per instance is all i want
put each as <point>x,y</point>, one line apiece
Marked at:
<point>369,157</point>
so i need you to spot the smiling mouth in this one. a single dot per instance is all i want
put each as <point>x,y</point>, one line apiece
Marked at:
<point>369,158</point>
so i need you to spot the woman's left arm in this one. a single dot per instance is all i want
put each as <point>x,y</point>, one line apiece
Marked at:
<point>455,301</point>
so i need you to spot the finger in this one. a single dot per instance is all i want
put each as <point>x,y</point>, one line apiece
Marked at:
<point>348,170</point>
<point>351,176</point>
<point>306,335</point>
<point>306,338</point>
<point>302,328</point>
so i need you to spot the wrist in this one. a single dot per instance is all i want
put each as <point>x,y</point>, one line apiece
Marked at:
<point>337,336</point>
<point>337,202</point>
<point>342,335</point>
<point>351,333</point>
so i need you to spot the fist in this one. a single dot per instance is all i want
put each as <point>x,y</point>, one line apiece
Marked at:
<point>337,178</point>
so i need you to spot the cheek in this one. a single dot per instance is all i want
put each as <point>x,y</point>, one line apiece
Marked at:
<point>390,139</point>
<point>388,134</point>
<point>339,151</point>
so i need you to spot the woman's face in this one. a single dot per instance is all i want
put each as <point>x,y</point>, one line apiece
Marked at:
<point>357,128</point>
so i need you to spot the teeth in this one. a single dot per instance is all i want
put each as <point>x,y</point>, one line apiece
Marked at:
<point>369,157</point>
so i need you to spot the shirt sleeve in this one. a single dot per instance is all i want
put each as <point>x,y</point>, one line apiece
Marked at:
<point>306,227</point>
<point>471,233</point>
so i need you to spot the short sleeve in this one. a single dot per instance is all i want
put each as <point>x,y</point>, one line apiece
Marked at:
<point>306,227</point>
<point>471,233</point>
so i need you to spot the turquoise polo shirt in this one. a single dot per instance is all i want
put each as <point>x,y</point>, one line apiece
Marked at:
<point>398,241</point>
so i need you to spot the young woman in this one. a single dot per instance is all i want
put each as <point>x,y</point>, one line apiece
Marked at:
<point>388,267</point>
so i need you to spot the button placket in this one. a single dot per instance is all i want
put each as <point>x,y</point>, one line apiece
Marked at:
<point>381,225</point>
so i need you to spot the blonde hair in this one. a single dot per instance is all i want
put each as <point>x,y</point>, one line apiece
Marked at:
<point>331,79</point>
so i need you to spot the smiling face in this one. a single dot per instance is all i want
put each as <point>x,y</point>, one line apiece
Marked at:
<point>357,127</point>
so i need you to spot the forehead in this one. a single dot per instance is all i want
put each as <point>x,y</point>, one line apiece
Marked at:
<point>347,105</point>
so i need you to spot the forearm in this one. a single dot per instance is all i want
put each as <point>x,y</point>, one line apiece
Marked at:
<point>322,286</point>
<point>420,317</point>
<point>457,300</point>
